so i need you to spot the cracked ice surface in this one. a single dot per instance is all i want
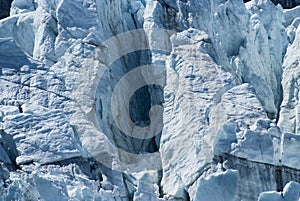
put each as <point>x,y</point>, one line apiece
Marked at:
<point>230,100</point>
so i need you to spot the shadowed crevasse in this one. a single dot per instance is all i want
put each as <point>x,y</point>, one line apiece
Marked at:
<point>4,8</point>
<point>286,4</point>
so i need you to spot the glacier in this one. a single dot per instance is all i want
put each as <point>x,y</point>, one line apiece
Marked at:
<point>149,100</point>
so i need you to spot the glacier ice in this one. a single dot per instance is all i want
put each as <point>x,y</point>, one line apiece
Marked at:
<point>290,192</point>
<point>230,100</point>
<point>218,186</point>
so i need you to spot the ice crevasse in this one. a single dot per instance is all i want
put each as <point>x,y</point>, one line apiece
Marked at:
<point>149,100</point>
